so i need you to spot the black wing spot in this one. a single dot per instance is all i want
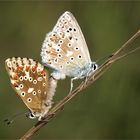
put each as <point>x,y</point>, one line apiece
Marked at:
<point>79,56</point>
<point>70,29</point>
<point>70,38</point>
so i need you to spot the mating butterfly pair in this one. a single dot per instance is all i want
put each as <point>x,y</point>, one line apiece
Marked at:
<point>65,51</point>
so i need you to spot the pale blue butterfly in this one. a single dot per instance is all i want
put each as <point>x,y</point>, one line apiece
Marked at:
<point>65,50</point>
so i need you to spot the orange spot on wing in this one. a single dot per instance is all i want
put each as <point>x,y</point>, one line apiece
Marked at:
<point>27,68</point>
<point>15,85</point>
<point>19,68</point>
<point>43,73</point>
<point>34,68</point>
<point>15,77</point>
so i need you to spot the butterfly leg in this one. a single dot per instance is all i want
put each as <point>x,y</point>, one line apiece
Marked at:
<point>71,85</point>
<point>44,119</point>
<point>89,73</point>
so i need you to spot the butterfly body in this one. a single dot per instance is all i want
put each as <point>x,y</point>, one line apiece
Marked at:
<point>65,50</point>
<point>32,84</point>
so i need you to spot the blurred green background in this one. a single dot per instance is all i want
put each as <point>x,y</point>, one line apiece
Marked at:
<point>109,109</point>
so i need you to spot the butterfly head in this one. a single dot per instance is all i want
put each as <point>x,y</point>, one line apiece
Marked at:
<point>85,70</point>
<point>94,66</point>
<point>31,115</point>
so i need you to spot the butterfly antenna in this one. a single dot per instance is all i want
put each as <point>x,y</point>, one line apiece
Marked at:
<point>103,58</point>
<point>10,120</point>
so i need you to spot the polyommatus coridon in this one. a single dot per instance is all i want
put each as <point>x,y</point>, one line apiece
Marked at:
<point>65,50</point>
<point>32,83</point>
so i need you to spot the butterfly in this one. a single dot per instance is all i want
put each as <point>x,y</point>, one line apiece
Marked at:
<point>65,50</point>
<point>32,84</point>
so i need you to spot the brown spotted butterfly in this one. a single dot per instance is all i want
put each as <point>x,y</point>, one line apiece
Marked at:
<point>32,83</point>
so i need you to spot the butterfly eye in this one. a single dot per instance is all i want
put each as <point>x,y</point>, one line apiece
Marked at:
<point>21,86</point>
<point>95,66</point>
<point>29,99</point>
<point>30,79</point>
<point>31,116</point>
<point>22,94</point>
<point>34,81</point>
<point>34,92</point>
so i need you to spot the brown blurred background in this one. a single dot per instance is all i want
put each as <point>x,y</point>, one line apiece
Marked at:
<point>107,110</point>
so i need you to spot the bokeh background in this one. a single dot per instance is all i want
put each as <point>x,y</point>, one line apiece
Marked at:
<point>109,109</point>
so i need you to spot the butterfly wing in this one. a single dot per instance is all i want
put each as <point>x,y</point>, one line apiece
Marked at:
<point>65,49</point>
<point>30,81</point>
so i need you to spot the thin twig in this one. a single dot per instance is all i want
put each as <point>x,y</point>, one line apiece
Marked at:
<point>92,77</point>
